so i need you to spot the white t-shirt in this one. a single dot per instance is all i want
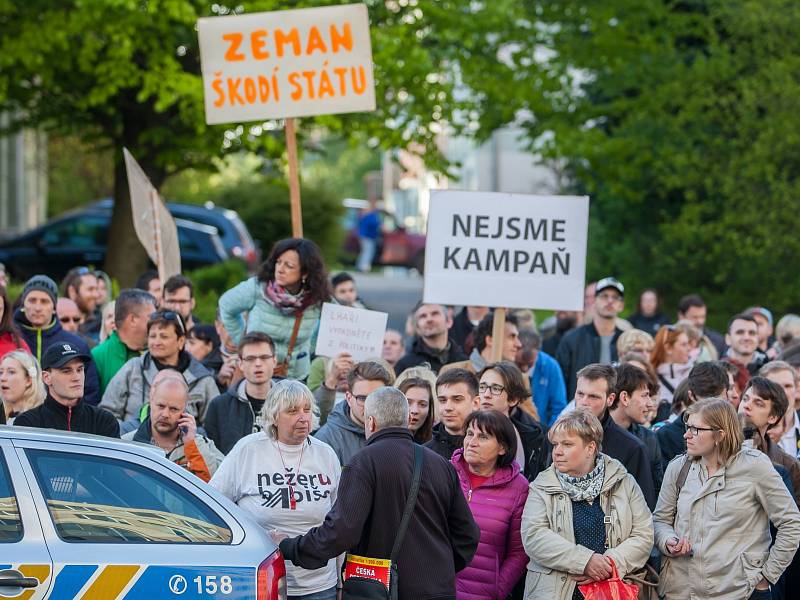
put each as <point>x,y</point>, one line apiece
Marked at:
<point>254,477</point>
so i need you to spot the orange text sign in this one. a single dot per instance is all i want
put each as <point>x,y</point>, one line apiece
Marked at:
<point>290,63</point>
<point>368,568</point>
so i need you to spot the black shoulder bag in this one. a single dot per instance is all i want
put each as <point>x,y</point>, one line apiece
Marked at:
<point>376,578</point>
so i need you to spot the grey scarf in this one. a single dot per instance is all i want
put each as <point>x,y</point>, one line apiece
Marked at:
<point>587,487</point>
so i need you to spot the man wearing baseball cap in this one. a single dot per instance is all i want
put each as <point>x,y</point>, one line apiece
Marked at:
<point>38,323</point>
<point>63,372</point>
<point>763,317</point>
<point>595,342</point>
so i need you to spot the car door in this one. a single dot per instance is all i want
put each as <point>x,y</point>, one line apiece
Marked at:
<point>78,240</point>
<point>25,566</point>
<point>119,525</point>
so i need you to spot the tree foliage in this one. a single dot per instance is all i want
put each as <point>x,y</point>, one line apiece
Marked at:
<point>127,73</point>
<point>679,118</point>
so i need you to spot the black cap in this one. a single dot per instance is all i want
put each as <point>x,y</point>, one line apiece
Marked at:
<point>60,354</point>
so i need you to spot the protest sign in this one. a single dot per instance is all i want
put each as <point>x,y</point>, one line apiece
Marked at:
<point>152,222</point>
<point>354,330</point>
<point>289,63</point>
<point>506,250</point>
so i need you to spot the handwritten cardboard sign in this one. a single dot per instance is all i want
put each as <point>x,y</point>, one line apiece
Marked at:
<point>290,63</point>
<point>354,330</point>
<point>506,250</point>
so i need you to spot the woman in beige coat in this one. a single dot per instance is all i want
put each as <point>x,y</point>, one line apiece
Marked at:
<point>582,511</point>
<point>714,529</point>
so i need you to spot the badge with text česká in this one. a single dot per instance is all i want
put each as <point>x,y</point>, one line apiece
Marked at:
<point>375,569</point>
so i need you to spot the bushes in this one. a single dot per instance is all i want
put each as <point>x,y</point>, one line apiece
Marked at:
<point>211,282</point>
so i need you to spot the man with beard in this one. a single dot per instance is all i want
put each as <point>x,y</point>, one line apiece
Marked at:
<point>595,342</point>
<point>174,430</point>
<point>431,344</point>
<point>38,323</point>
<point>80,286</point>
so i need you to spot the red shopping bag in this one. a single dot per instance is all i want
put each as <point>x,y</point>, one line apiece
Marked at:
<point>612,588</point>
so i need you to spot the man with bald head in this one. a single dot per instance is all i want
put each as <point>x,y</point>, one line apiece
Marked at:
<point>69,314</point>
<point>174,430</point>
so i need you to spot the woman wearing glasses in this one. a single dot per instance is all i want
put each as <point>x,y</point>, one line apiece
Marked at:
<point>502,387</point>
<point>283,301</point>
<point>714,511</point>
<point>128,393</point>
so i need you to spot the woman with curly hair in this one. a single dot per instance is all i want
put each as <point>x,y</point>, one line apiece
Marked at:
<point>283,301</point>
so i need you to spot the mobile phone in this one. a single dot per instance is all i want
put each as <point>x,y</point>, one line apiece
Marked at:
<point>184,428</point>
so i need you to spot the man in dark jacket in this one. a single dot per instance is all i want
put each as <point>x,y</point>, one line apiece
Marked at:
<point>595,342</point>
<point>431,344</point>
<point>629,409</point>
<point>40,328</point>
<point>595,391</point>
<point>344,429</point>
<point>705,380</point>
<point>442,536</point>
<point>237,412</point>
<point>693,308</point>
<point>63,374</point>
<point>457,397</point>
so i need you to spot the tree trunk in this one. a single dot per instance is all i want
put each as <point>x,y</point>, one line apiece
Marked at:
<point>125,258</point>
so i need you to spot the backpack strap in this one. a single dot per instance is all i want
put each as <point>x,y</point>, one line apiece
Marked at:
<point>683,474</point>
<point>410,503</point>
<point>666,383</point>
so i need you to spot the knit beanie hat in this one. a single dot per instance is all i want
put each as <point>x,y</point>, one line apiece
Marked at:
<point>41,283</point>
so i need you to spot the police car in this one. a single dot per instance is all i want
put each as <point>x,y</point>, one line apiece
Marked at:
<point>91,518</point>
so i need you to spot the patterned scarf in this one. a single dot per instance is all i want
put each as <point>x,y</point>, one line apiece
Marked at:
<point>287,303</point>
<point>587,487</point>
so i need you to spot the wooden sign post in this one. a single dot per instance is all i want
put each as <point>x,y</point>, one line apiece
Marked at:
<point>294,179</point>
<point>498,334</point>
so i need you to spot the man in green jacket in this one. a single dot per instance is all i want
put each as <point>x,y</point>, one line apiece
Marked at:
<point>131,311</point>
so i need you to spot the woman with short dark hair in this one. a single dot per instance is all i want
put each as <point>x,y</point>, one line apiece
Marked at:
<point>496,492</point>
<point>283,301</point>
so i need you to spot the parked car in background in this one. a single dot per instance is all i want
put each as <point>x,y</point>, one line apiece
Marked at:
<point>90,517</point>
<point>397,247</point>
<point>80,237</point>
<point>231,229</point>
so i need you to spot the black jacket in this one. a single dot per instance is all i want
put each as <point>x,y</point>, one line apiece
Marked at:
<point>228,419</point>
<point>462,328</point>
<point>717,339</point>
<point>627,449</point>
<point>578,348</point>
<point>82,417</point>
<point>649,325</point>
<point>533,443</point>
<point>421,353</point>
<point>650,441</point>
<point>443,443</point>
<point>442,536</point>
<point>671,440</point>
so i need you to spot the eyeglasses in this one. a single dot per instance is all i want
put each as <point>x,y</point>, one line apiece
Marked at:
<point>359,399</point>
<point>70,319</point>
<point>693,430</point>
<point>168,315</point>
<point>495,388</point>
<point>81,271</point>
<point>260,357</point>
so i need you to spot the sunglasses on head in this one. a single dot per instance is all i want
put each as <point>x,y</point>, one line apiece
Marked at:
<point>169,315</point>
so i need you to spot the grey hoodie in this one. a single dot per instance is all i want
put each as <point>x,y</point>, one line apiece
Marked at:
<point>342,434</point>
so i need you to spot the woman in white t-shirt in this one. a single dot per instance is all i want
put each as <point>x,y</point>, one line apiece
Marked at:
<point>286,479</point>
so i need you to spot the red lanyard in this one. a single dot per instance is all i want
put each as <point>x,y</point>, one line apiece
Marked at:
<point>292,501</point>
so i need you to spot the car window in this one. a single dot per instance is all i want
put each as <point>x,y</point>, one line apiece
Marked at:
<point>187,241</point>
<point>10,521</point>
<point>83,232</point>
<point>103,500</point>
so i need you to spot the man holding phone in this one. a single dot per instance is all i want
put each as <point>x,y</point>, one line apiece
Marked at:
<point>174,430</point>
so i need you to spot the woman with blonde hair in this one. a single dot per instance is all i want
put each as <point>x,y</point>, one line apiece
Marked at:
<point>635,340</point>
<point>286,479</point>
<point>714,511</point>
<point>21,386</point>
<point>582,513</point>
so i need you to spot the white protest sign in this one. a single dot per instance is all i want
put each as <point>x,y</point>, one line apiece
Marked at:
<point>354,330</point>
<point>289,63</point>
<point>506,250</point>
<point>152,222</point>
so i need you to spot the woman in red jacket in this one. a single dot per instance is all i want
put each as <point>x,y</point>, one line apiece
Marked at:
<point>496,493</point>
<point>9,336</point>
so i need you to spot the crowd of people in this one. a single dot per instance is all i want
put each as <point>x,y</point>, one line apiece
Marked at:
<point>661,451</point>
